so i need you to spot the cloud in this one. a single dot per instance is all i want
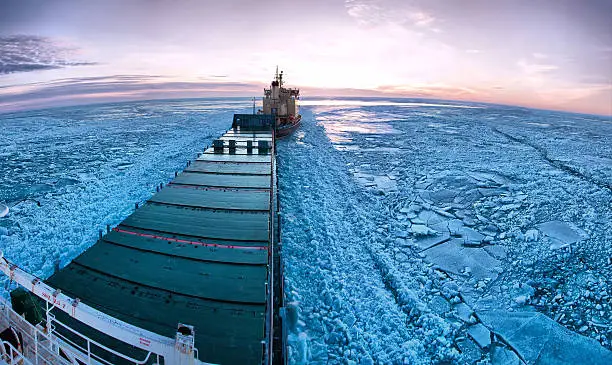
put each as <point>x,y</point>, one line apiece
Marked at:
<point>381,12</point>
<point>421,19</point>
<point>536,69</point>
<point>89,90</point>
<point>24,53</point>
<point>365,12</point>
<point>437,90</point>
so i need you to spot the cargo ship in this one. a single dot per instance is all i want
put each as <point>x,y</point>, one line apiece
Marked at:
<point>192,276</point>
<point>282,103</point>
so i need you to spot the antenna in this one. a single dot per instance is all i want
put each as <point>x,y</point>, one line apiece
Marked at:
<point>276,77</point>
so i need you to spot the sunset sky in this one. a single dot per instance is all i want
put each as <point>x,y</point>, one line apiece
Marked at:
<point>553,54</point>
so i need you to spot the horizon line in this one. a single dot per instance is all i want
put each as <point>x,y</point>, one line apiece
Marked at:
<point>323,97</point>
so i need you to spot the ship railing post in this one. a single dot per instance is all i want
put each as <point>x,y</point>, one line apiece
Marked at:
<point>36,347</point>
<point>184,351</point>
<point>88,352</point>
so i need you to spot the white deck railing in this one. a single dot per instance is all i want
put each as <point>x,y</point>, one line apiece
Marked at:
<point>37,347</point>
<point>179,351</point>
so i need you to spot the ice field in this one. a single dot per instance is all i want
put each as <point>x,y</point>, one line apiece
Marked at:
<point>414,232</point>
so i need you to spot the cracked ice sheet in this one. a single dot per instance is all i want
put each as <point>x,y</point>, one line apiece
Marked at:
<point>431,161</point>
<point>374,181</point>
<point>540,340</point>
<point>453,258</point>
<point>562,233</point>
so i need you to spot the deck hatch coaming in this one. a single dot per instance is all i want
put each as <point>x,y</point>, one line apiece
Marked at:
<point>202,279</point>
<point>229,168</point>
<point>242,157</point>
<point>221,251</point>
<point>236,226</point>
<point>242,139</point>
<point>230,181</point>
<point>255,200</point>
<point>240,151</point>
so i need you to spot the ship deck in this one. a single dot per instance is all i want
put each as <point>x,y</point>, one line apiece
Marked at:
<point>195,253</point>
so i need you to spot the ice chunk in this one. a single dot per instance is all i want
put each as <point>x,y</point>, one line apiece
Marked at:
<point>431,218</point>
<point>3,210</point>
<point>384,183</point>
<point>438,304</point>
<point>562,233</point>
<point>521,300</point>
<point>450,289</point>
<point>463,312</point>
<point>503,356</point>
<point>486,191</point>
<point>442,196</point>
<point>468,198</point>
<point>401,234</point>
<point>421,230</point>
<point>508,207</point>
<point>471,236</point>
<point>452,257</point>
<point>469,350</point>
<point>481,335</point>
<point>532,235</point>
<point>417,220</point>
<point>491,230</point>
<point>300,344</point>
<point>539,339</point>
<point>496,251</point>
<point>453,226</point>
<point>468,221</point>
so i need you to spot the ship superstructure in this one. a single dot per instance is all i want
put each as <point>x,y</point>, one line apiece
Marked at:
<point>282,103</point>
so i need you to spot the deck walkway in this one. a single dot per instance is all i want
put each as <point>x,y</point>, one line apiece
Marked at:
<point>196,253</point>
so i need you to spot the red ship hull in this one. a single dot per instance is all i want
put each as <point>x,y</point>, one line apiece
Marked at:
<point>286,128</point>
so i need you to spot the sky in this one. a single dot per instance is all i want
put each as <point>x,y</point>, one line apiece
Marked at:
<point>551,54</point>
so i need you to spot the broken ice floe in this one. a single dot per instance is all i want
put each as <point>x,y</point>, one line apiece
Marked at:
<point>425,242</point>
<point>503,356</point>
<point>481,335</point>
<point>380,182</point>
<point>532,235</point>
<point>540,340</point>
<point>3,210</point>
<point>561,234</point>
<point>464,312</point>
<point>453,257</point>
<point>496,251</point>
<point>421,230</point>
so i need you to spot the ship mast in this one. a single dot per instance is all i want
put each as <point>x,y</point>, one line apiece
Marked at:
<point>279,77</point>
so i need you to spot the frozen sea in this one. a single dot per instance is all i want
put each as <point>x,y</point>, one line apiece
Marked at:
<point>414,231</point>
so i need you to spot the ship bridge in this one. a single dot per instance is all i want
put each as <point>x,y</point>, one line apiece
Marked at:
<point>195,270</point>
